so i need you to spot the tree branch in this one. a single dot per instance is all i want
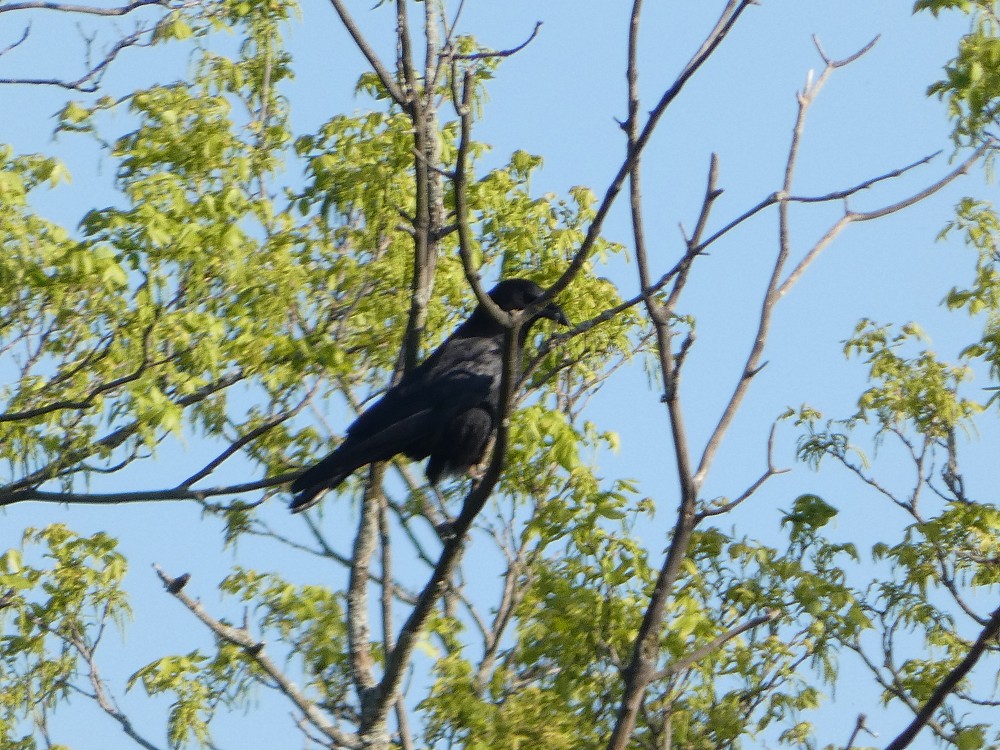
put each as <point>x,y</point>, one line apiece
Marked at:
<point>948,684</point>
<point>730,14</point>
<point>92,10</point>
<point>857,216</point>
<point>501,53</point>
<point>773,291</point>
<point>700,653</point>
<point>140,496</point>
<point>254,651</point>
<point>91,80</point>
<point>386,78</point>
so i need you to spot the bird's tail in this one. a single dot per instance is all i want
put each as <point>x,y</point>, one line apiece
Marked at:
<point>307,498</point>
<point>310,485</point>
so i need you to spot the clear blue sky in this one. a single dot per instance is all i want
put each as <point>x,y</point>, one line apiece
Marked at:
<point>559,98</point>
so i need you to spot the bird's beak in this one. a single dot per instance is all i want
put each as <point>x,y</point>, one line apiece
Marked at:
<point>554,312</point>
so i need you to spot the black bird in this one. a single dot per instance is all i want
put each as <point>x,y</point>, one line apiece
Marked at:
<point>445,408</point>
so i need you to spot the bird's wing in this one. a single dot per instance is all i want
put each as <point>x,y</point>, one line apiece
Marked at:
<point>460,374</point>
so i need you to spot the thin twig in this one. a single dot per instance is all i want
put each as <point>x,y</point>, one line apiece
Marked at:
<point>698,654</point>
<point>500,53</point>
<point>86,9</point>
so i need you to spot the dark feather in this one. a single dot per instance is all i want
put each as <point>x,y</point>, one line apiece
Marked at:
<point>445,408</point>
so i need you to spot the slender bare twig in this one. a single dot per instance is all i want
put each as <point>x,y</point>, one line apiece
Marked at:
<point>17,42</point>
<point>239,443</point>
<point>85,9</point>
<point>858,726</point>
<point>100,695</point>
<point>771,471</point>
<point>727,19</point>
<point>460,180</point>
<point>858,216</point>
<point>90,81</point>
<point>140,496</point>
<point>842,194</point>
<point>503,52</point>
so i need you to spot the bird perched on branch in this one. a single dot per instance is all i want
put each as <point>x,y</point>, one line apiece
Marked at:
<point>446,408</point>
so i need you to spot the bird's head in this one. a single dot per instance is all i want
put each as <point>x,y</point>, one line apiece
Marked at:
<point>512,295</point>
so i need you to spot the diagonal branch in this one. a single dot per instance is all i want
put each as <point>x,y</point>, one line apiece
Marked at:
<point>727,19</point>
<point>640,670</point>
<point>17,42</point>
<point>770,471</point>
<point>948,684</point>
<point>253,650</point>
<point>772,295</point>
<point>384,75</point>
<point>843,194</point>
<point>698,654</point>
<point>850,217</point>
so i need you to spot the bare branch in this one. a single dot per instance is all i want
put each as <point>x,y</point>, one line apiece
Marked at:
<point>855,216</point>
<point>501,53</point>
<point>860,725</point>
<point>771,471</point>
<point>384,75</point>
<point>18,42</point>
<point>640,670</point>
<point>100,695</point>
<point>92,10</point>
<point>91,80</point>
<point>358,631</point>
<point>834,64</point>
<point>773,292</point>
<point>460,180</point>
<point>249,437</point>
<point>730,14</point>
<point>140,496</point>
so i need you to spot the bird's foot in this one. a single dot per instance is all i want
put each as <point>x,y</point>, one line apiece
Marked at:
<point>445,530</point>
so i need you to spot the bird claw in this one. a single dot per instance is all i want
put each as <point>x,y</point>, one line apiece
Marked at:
<point>445,530</point>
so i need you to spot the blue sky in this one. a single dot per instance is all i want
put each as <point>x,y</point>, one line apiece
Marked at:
<point>559,98</point>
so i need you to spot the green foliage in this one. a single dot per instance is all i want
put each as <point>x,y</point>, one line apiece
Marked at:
<point>971,85</point>
<point>942,561</point>
<point>977,224</point>
<point>915,391</point>
<point>141,325</point>
<point>308,619</point>
<point>52,619</point>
